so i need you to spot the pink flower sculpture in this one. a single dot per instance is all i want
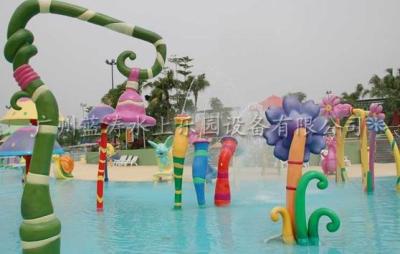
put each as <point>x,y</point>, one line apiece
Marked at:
<point>376,110</point>
<point>328,104</point>
<point>331,107</point>
<point>342,110</point>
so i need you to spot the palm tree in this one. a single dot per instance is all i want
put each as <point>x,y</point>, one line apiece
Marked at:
<point>200,84</point>
<point>387,87</point>
<point>159,98</point>
<point>358,94</point>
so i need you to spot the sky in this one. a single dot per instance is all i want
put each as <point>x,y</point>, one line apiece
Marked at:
<point>249,49</point>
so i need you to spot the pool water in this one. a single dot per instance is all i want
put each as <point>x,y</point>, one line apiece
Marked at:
<point>139,218</point>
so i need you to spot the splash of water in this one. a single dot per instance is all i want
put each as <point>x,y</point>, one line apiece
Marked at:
<point>187,96</point>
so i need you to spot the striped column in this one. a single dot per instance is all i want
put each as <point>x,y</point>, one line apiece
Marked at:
<point>40,229</point>
<point>101,168</point>
<point>222,195</point>
<point>179,149</point>
<point>199,169</point>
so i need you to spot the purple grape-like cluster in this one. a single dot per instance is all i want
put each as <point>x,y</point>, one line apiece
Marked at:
<point>291,116</point>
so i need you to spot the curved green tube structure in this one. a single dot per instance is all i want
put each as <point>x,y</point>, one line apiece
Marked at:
<point>313,222</point>
<point>40,229</point>
<point>300,203</point>
<point>19,48</point>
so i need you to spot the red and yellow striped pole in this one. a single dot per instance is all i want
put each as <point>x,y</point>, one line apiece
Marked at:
<point>295,168</point>
<point>101,168</point>
<point>222,195</point>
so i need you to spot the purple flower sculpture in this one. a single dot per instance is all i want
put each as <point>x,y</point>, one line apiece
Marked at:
<point>376,117</point>
<point>291,116</point>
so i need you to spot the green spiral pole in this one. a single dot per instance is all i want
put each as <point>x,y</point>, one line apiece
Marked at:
<point>300,203</point>
<point>40,229</point>
<point>310,236</point>
<point>313,223</point>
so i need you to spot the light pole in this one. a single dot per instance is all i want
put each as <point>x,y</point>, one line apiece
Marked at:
<point>111,63</point>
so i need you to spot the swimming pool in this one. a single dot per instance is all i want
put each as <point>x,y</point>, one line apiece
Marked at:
<point>139,218</point>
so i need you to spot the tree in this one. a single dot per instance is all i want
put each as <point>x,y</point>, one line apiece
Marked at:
<point>224,113</point>
<point>180,100</point>
<point>183,91</point>
<point>299,95</point>
<point>216,104</point>
<point>167,95</point>
<point>112,96</point>
<point>185,67</point>
<point>388,88</point>
<point>358,94</point>
<point>183,103</point>
<point>160,97</point>
<point>199,85</point>
<point>69,134</point>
